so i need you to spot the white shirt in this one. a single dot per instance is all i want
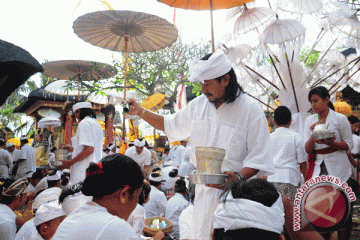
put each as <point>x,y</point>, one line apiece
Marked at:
<point>186,223</point>
<point>287,149</point>
<point>137,219</point>
<point>5,163</point>
<point>170,187</point>
<point>89,133</point>
<point>92,221</point>
<point>157,203</point>
<point>15,155</point>
<point>29,165</point>
<point>337,163</point>
<point>356,140</point>
<point>239,127</point>
<point>28,231</point>
<point>174,208</point>
<point>144,158</point>
<point>186,167</point>
<point>176,155</point>
<point>7,223</point>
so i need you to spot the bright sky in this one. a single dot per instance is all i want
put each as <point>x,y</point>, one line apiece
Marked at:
<point>44,27</point>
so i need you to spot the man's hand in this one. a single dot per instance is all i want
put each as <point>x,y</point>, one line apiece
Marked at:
<point>66,164</point>
<point>232,178</point>
<point>135,108</point>
<point>327,141</point>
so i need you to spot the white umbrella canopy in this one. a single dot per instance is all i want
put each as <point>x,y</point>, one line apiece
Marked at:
<point>64,87</point>
<point>300,6</point>
<point>48,122</point>
<point>251,19</point>
<point>344,23</point>
<point>107,96</point>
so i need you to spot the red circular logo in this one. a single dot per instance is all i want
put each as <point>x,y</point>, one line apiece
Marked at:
<point>325,206</point>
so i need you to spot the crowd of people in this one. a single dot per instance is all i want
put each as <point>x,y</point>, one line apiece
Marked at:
<point>99,193</point>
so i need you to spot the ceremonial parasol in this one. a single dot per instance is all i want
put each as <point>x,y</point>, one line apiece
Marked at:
<point>300,6</point>
<point>106,96</point>
<point>205,5</point>
<point>16,65</point>
<point>125,31</point>
<point>48,122</point>
<point>78,70</point>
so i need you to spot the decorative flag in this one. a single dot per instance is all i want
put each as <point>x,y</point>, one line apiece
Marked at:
<point>180,97</point>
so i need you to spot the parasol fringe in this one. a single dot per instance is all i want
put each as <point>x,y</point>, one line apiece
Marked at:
<point>277,71</point>
<point>308,77</point>
<point>261,76</point>
<point>292,82</point>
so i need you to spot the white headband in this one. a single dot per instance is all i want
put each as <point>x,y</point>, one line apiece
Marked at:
<point>138,143</point>
<point>216,66</point>
<point>111,146</point>
<point>55,177</point>
<point>47,212</point>
<point>10,144</point>
<point>23,138</point>
<point>81,105</point>
<point>156,179</point>
<point>238,213</point>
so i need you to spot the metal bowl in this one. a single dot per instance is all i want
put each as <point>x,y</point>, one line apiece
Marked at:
<point>204,178</point>
<point>209,159</point>
<point>321,136</point>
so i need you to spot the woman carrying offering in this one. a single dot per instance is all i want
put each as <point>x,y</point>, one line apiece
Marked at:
<point>115,184</point>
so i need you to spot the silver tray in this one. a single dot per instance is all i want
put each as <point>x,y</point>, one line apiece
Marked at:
<point>205,178</point>
<point>321,136</point>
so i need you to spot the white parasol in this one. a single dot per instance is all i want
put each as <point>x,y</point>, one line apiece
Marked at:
<point>48,122</point>
<point>300,6</point>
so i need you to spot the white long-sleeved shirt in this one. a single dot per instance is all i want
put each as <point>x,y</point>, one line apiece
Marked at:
<point>337,163</point>
<point>174,207</point>
<point>287,149</point>
<point>137,219</point>
<point>157,203</point>
<point>186,223</point>
<point>28,232</point>
<point>143,159</point>
<point>176,155</point>
<point>5,163</point>
<point>356,140</point>
<point>7,223</point>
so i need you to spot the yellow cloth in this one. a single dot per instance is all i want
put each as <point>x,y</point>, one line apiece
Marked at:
<point>23,218</point>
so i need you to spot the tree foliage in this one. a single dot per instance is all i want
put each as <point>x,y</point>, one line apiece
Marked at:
<point>160,71</point>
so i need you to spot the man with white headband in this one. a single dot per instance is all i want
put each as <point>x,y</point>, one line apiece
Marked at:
<point>223,117</point>
<point>87,143</point>
<point>140,154</point>
<point>5,161</point>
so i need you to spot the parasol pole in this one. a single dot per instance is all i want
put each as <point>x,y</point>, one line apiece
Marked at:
<point>318,39</point>
<point>344,82</point>
<point>212,26</point>
<point>318,62</point>
<point>260,101</point>
<point>277,71</point>
<point>262,77</point>
<point>78,80</point>
<point>125,73</point>
<point>292,82</point>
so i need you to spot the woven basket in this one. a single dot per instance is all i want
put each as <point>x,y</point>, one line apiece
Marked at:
<point>152,232</point>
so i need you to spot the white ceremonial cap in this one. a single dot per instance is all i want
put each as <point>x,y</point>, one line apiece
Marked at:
<point>29,174</point>
<point>156,177</point>
<point>10,144</point>
<point>138,143</point>
<point>216,66</point>
<point>23,138</point>
<point>81,105</point>
<point>48,195</point>
<point>48,211</point>
<point>66,171</point>
<point>54,177</point>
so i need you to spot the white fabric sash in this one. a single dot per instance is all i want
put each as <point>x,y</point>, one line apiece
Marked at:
<point>242,213</point>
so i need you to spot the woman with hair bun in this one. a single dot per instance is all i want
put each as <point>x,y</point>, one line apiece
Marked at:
<point>115,184</point>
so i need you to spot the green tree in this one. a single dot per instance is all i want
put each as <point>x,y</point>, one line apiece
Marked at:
<point>160,71</point>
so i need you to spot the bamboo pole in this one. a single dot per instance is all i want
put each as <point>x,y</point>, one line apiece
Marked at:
<point>212,26</point>
<point>260,101</point>
<point>261,76</point>
<point>277,71</point>
<point>314,45</point>
<point>292,82</point>
<point>125,75</point>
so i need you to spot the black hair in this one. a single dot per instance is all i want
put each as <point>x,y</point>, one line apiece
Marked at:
<point>69,191</point>
<point>52,183</point>
<point>37,175</point>
<point>233,89</point>
<point>53,149</point>
<point>65,179</point>
<point>257,190</point>
<point>167,149</point>
<point>353,119</point>
<point>24,141</point>
<point>86,112</point>
<point>6,199</point>
<point>180,186</point>
<point>2,143</point>
<point>146,188</point>
<point>282,116</point>
<point>245,234</point>
<point>117,171</point>
<point>323,93</point>
<point>173,173</point>
<point>155,169</point>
